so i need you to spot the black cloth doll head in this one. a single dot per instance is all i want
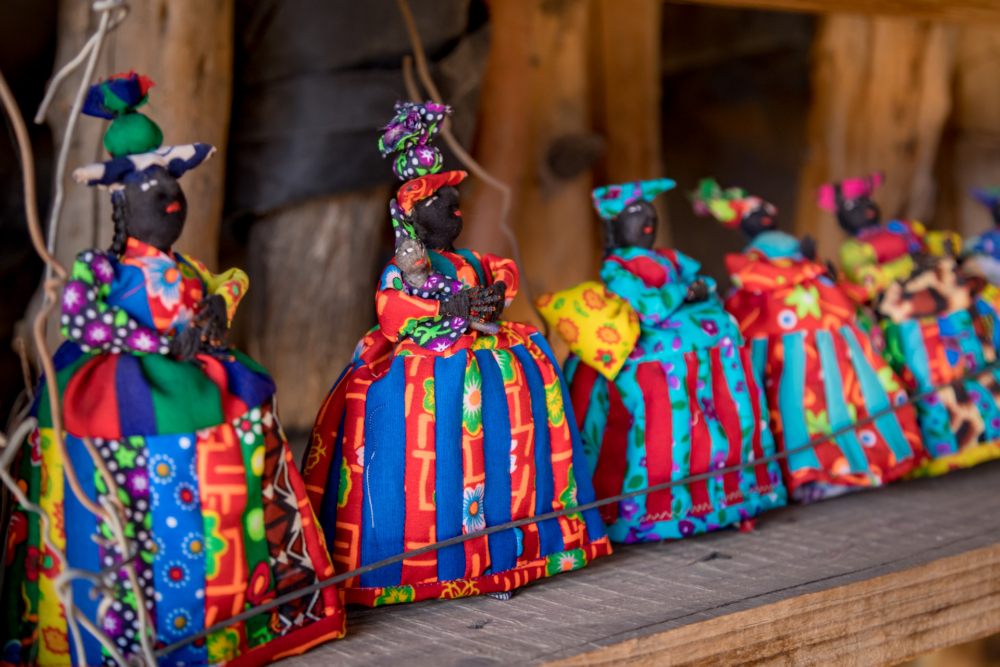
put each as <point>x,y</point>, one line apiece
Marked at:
<point>851,200</point>
<point>733,207</point>
<point>629,218</point>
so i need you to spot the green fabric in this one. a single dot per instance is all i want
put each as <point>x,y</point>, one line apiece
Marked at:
<point>132,133</point>
<point>247,362</point>
<point>185,400</point>
<point>62,379</point>
<point>442,265</point>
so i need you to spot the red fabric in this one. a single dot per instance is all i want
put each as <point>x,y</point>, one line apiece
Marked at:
<point>295,642</point>
<point>729,416</point>
<point>420,472</point>
<point>763,481</point>
<point>659,438</point>
<point>701,442</point>
<point>646,269</point>
<point>580,391</point>
<point>232,406</point>
<point>609,476</point>
<point>316,467</point>
<point>420,188</point>
<point>90,402</point>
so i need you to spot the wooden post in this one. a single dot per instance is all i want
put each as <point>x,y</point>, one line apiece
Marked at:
<point>628,92</point>
<point>186,48</point>
<point>881,91</point>
<point>312,271</point>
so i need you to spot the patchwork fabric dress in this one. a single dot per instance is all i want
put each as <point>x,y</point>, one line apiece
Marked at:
<point>821,373</point>
<point>685,402</point>
<point>940,331</point>
<point>432,433</point>
<point>195,452</point>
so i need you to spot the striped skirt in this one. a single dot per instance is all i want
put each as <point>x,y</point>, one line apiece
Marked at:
<point>666,419</point>
<point>440,446</point>
<point>215,514</point>
<point>821,381</point>
<point>960,424</point>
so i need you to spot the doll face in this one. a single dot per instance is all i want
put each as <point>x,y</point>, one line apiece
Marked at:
<point>437,219</point>
<point>411,258</point>
<point>635,226</point>
<point>759,220</point>
<point>857,214</point>
<point>155,210</point>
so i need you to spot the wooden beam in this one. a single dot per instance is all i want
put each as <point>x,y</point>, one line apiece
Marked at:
<point>881,621</point>
<point>953,11</point>
<point>186,47</point>
<point>313,275</point>
<point>881,96</point>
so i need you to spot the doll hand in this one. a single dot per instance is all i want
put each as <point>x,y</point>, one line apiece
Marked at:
<point>457,305</point>
<point>487,304</point>
<point>186,344</point>
<point>697,291</point>
<point>213,322</point>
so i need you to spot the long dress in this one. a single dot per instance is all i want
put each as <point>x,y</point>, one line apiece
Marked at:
<point>685,402</point>
<point>213,499</point>
<point>432,433</point>
<point>821,373</point>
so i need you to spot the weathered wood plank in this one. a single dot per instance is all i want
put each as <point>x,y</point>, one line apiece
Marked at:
<point>925,554</point>
<point>963,11</point>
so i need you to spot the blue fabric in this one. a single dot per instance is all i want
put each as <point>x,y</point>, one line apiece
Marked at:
<point>775,245</point>
<point>876,399</point>
<point>790,402</point>
<point>384,504</point>
<point>128,292</point>
<point>449,379</point>
<point>135,402</point>
<point>176,526</point>
<point>584,485</point>
<point>496,454</point>
<point>836,406</point>
<point>550,539</point>
<point>81,552</point>
<point>932,415</point>
<point>442,265</point>
<point>250,387</point>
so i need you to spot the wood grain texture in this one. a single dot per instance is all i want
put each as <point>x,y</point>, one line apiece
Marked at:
<point>186,48</point>
<point>307,310</point>
<point>958,11</point>
<point>882,95</point>
<point>894,571</point>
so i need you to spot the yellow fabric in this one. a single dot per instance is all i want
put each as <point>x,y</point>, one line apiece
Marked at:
<point>938,243</point>
<point>598,326</point>
<point>53,644</point>
<point>231,285</point>
<point>971,456</point>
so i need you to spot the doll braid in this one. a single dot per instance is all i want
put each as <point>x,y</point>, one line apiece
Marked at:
<point>118,216</point>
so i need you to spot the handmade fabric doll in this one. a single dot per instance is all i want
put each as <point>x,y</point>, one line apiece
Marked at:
<point>879,253</point>
<point>188,442</point>
<point>938,329</point>
<point>819,368</point>
<point>436,430</point>
<point>684,402</point>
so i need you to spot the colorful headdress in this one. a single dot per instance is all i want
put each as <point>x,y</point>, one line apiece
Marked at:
<point>423,187</point>
<point>728,206</point>
<point>409,133</point>
<point>610,200</point>
<point>850,188</point>
<point>134,141</point>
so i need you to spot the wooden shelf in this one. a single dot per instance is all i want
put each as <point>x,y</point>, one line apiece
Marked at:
<point>873,578</point>
<point>952,11</point>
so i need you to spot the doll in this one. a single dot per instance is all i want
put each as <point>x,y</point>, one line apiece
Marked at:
<point>820,370</point>
<point>983,251</point>
<point>185,426</point>
<point>938,329</point>
<point>673,396</point>
<point>436,429</point>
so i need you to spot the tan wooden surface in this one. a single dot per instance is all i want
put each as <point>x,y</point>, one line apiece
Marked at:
<point>962,11</point>
<point>871,578</point>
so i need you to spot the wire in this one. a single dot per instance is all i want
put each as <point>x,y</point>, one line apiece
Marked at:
<point>319,585</point>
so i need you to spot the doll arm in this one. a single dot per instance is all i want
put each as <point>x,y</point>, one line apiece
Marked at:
<point>231,285</point>
<point>92,323</point>
<point>503,269</point>
<point>652,303</point>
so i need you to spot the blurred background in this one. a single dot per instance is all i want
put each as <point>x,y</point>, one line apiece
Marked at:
<point>553,97</point>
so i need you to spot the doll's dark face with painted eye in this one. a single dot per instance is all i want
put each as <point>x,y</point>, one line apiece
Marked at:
<point>635,226</point>
<point>437,219</point>
<point>760,219</point>
<point>857,214</point>
<point>155,210</point>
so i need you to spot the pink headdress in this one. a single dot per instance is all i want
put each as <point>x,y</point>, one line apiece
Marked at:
<point>850,188</point>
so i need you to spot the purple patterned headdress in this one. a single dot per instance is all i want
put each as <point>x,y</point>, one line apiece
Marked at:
<point>409,133</point>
